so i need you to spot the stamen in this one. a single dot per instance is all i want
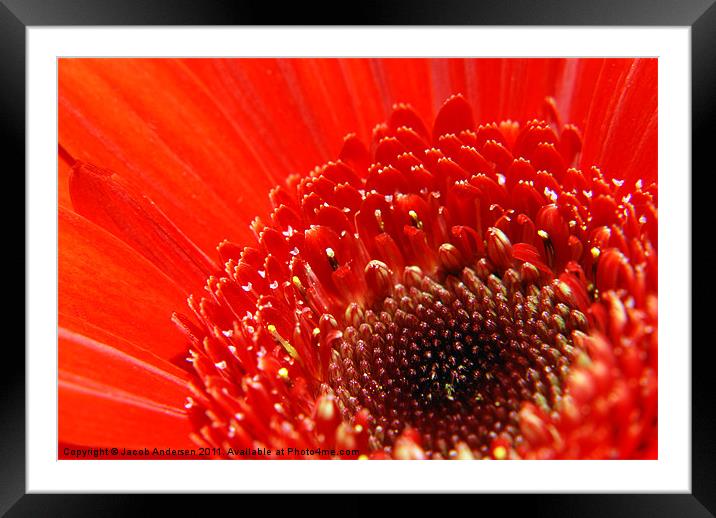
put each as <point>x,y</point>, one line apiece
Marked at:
<point>548,247</point>
<point>500,453</point>
<point>331,255</point>
<point>592,288</point>
<point>298,284</point>
<point>415,221</point>
<point>285,343</point>
<point>379,218</point>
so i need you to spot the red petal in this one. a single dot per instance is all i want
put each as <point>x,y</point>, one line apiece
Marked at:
<point>404,116</point>
<point>130,369</point>
<point>106,199</point>
<point>156,125</point>
<point>95,414</point>
<point>106,283</point>
<point>511,88</point>
<point>454,116</point>
<point>110,398</point>
<point>620,130</point>
<point>63,184</point>
<point>406,81</point>
<point>354,153</point>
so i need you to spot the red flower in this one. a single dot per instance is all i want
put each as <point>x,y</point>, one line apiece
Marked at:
<point>477,283</point>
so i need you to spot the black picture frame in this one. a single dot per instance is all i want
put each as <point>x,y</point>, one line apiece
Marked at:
<point>17,15</point>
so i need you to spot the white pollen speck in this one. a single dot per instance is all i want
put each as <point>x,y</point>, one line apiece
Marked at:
<point>294,251</point>
<point>248,286</point>
<point>262,274</point>
<point>228,333</point>
<point>273,285</point>
<point>220,365</point>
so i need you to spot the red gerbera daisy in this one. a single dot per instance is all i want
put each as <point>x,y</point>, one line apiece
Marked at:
<point>475,278</point>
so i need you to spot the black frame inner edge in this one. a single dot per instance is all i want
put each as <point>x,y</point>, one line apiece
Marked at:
<point>700,15</point>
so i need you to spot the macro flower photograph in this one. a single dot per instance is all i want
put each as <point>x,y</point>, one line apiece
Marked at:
<point>358,258</point>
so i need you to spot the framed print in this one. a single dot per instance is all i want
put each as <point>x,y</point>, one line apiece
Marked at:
<point>360,258</point>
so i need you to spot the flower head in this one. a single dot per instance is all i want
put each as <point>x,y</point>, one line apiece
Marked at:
<point>457,288</point>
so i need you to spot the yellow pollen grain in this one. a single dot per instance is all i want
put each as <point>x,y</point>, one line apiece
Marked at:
<point>415,220</point>
<point>500,453</point>
<point>297,282</point>
<point>331,255</point>
<point>450,392</point>
<point>285,343</point>
<point>379,217</point>
<point>548,247</point>
<point>283,373</point>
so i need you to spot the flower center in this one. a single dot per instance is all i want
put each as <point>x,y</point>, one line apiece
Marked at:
<point>455,356</point>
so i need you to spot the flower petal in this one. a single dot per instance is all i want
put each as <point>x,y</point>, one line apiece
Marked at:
<point>108,397</point>
<point>107,200</point>
<point>63,184</point>
<point>131,370</point>
<point>111,286</point>
<point>619,130</point>
<point>255,93</point>
<point>151,122</point>
<point>407,81</point>
<point>80,327</point>
<point>500,89</point>
<point>98,415</point>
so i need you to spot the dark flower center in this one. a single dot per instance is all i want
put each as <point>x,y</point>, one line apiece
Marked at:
<point>455,356</point>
